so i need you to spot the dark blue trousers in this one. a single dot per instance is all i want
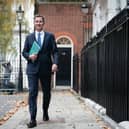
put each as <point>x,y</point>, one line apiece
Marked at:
<point>33,81</point>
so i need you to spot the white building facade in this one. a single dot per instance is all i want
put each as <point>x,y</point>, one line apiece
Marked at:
<point>26,27</point>
<point>104,11</point>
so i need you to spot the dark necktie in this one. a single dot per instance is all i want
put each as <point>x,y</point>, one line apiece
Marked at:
<point>39,39</point>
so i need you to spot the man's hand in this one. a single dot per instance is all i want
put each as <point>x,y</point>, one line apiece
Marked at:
<point>54,68</point>
<point>33,57</point>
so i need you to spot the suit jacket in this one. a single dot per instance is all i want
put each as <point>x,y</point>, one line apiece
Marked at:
<point>47,56</point>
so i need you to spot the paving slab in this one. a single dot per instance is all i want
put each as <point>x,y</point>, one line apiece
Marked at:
<point>66,112</point>
<point>8,102</point>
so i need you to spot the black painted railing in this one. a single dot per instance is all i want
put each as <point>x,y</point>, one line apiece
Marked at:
<point>105,67</point>
<point>76,73</point>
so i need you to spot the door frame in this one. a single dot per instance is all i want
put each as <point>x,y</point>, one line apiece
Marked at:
<point>54,76</point>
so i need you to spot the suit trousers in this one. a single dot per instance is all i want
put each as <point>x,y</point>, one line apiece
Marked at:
<point>33,80</point>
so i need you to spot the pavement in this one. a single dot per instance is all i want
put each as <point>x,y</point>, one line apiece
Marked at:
<point>9,102</point>
<point>66,111</point>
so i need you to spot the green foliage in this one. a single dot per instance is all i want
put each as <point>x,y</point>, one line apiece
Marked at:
<point>6,25</point>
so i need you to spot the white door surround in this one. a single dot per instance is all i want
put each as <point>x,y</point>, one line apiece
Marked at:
<point>65,42</point>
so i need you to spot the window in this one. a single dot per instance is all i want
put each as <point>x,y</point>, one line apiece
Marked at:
<point>63,41</point>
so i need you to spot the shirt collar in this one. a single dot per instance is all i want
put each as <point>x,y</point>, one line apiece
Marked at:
<point>41,32</point>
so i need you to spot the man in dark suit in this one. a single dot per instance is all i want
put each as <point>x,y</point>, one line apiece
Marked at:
<point>40,66</point>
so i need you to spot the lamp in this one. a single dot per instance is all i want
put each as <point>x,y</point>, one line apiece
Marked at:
<point>85,9</point>
<point>20,14</point>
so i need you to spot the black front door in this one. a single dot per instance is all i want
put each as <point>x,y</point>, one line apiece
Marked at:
<point>63,76</point>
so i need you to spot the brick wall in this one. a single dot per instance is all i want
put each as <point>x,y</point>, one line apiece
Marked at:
<point>64,19</point>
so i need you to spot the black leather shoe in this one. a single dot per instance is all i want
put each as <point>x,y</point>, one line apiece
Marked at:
<point>45,117</point>
<point>32,124</point>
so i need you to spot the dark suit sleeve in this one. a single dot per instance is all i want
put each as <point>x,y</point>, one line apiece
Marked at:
<point>54,50</point>
<point>26,49</point>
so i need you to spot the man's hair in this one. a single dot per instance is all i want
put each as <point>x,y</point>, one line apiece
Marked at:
<point>38,15</point>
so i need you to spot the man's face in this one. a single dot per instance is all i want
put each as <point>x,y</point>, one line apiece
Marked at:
<point>38,23</point>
